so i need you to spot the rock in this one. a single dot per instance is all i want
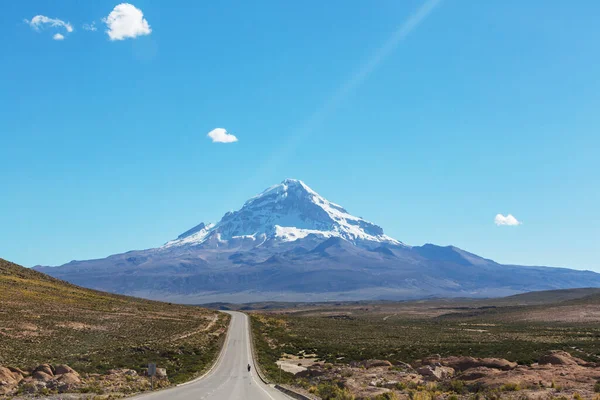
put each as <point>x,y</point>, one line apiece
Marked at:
<point>33,386</point>
<point>129,372</point>
<point>404,366</point>
<point>436,373</point>
<point>64,369</point>
<point>5,389</point>
<point>559,357</point>
<point>390,384</point>
<point>310,373</point>
<point>431,360</point>
<point>465,363</point>
<point>18,371</point>
<point>41,376</point>
<point>376,363</point>
<point>71,378</point>
<point>122,371</point>
<point>45,368</point>
<point>67,382</point>
<point>498,363</point>
<point>8,380</point>
<point>161,372</point>
<point>39,386</point>
<point>18,377</point>
<point>63,387</point>
<point>8,377</point>
<point>475,373</point>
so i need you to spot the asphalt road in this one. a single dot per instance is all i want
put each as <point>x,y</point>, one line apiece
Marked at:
<point>229,379</point>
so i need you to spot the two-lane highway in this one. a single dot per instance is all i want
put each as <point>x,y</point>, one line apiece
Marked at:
<point>229,379</point>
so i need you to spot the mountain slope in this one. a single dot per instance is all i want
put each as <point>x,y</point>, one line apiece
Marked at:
<point>43,319</point>
<point>290,243</point>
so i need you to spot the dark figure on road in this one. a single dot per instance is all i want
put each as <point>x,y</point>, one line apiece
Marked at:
<point>248,367</point>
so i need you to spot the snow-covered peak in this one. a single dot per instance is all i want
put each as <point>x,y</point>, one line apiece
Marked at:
<point>287,212</point>
<point>281,191</point>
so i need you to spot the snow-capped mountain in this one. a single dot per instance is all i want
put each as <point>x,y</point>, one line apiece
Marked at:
<point>290,243</point>
<point>286,212</point>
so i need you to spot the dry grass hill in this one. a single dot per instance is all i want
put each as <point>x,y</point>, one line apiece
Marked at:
<point>45,320</point>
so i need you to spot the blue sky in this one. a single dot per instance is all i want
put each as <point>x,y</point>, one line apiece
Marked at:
<point>429,126</point>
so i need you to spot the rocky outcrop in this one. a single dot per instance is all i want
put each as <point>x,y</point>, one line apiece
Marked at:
<point>18,371</point>
<point>556,372</point>
<point>9,380</point>
<point>558,357</point>
<point>376,363</point>
<point>42,376</point>
<point>122,371</point>
<point>64,369</point>
<point>62,378</point>
<point>311,372</point>
<point>465,363</point>
<point>45,368</point>
<point>436,373</point>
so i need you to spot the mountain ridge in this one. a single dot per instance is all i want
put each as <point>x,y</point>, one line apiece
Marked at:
<point>290,243</point>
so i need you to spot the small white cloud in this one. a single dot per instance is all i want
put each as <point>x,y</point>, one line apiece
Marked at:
<point>220,135</point>
<point>126,21</point>
<point>39,21</point>
<point>90,27</point>
<point>506,220</point>
<point>58,36</point>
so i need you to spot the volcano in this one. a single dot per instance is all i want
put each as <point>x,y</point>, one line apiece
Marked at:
<point>288,243</point>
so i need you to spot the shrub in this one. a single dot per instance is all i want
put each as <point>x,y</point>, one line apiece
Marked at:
<point>420,395</point>
<point>331,391</point>
<point>386,396</point>
<point>455,386</point>
<point>510,387</point>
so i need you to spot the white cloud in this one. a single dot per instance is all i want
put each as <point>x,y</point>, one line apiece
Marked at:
<point>220,135</point>
<point>58,36</point>
<point>39,21</point>
<point>126,21</point>
<point>90,27</point>
<point>507,220</point>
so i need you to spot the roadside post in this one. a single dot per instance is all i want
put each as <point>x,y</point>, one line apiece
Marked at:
<point>151,373</point>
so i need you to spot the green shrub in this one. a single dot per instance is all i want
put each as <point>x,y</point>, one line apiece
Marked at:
<point>386,396</point>
<point>510,387</point>
<point>331,391</point>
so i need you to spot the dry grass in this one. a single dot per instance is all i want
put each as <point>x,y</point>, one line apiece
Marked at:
<point>44,320</point>
<point>504,328</point>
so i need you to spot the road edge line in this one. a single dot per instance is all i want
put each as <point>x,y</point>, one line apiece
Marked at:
<point>257,368</point>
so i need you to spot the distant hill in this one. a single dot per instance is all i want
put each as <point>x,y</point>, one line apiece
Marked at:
<point>549,296</point>
<point>290,244</point>
<point>46,320</point>
<point>543,297</point>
